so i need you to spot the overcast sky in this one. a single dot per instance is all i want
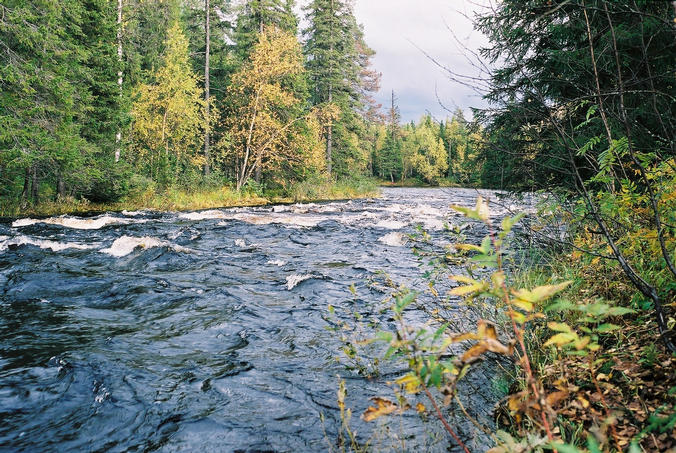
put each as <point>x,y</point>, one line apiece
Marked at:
<point>395,27</point>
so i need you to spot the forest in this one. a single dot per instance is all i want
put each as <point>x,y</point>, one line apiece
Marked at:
<point>103,101</point>
<point>109,105</point>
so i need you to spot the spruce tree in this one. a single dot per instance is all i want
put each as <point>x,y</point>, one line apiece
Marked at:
<point>59,106</point>
<point>207,29</point>
<point>255,15</point>
<point>103,115</point>
<point>333,66</point>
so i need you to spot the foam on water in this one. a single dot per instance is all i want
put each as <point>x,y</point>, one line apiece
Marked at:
<point>393,239</point>
<point>203,215</point>
<point>78,223</point>
<point>54,246</point>
<point>293,280</point>
<point>282,219</point>
<point>391,224</point>
<point>134,213</point>
<point>125,245</point>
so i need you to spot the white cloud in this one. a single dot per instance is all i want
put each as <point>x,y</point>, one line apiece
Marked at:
<point>400,30</point>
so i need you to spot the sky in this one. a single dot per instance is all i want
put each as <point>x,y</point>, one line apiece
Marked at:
<point>401,32</point>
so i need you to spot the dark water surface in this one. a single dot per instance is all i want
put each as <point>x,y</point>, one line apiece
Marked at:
<point>202,331</point>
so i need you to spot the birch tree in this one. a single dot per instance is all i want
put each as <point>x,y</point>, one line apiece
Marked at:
<point>268,126</point>
<point>169,118</point>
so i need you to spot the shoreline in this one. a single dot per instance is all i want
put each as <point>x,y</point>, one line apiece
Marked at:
<point>194,202</point>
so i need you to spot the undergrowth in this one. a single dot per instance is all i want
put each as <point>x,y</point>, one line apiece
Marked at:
<point>146,195</point>
<point>590,371</point>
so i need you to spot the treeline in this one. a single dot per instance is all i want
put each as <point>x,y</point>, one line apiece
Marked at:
<point>102,97</point>
<point>583,106</point>
<point>427,152</point>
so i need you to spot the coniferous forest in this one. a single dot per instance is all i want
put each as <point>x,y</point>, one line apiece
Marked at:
<point>102,100</point>
<point>566,263</point>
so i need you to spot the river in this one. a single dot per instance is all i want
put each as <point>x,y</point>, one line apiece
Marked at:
<point>208,331</point>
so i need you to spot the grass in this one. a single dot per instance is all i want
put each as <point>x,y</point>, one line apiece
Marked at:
<point>323,188</point>
<point>415,183</point>
<point>178,199</point>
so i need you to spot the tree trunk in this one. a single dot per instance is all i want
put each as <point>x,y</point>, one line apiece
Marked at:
<point>35,187</point>
<point>242,177</point>
<point>60,187</point>
<point>207,30</point>
<point>257,174</point>
<point>329,138</point>
<point>26,186</point>
<point>118,136</point>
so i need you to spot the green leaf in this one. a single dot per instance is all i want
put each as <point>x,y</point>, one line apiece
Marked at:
<point>402,303</point>
<point>390,351</point>
<point>467,212</point>
<point>620,311</point>
<point>384,336</point>
<point>439,332</point>
<point>593,445</point>
<point>486,245</point>
<point>561,305</point>
<point>509,222</point>
<point>435,378</point>
<point>485,260</point>
<point>605,328</point>
<point>565,448</point>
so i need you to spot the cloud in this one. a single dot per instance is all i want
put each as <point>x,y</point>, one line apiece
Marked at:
<point>401,31</point>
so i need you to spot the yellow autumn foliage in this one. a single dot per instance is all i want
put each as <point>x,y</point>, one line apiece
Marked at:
<point>168,117</point>
<point>268,129</point>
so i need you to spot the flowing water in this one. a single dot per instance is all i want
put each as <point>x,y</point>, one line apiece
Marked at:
<point>207,331</point>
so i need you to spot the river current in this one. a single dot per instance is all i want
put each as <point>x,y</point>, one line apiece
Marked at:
<point>209,331</point>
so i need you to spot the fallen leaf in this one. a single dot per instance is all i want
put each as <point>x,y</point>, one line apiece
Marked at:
<point>383,407</point>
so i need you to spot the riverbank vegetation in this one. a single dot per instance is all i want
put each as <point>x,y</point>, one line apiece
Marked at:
<point>148,196</point>
<point>582,105</point>
<point>140,103</point>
